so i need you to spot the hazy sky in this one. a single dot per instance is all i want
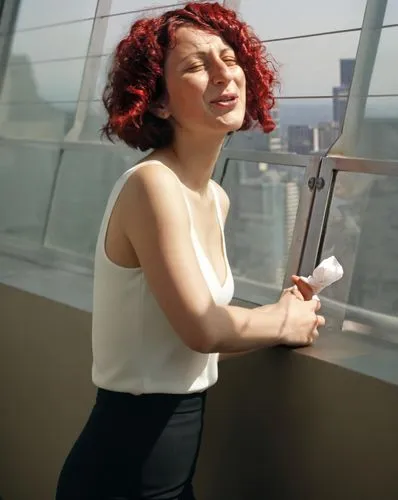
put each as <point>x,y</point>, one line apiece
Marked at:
<point>308,66</point>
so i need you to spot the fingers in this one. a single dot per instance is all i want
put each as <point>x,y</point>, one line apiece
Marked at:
<point>296,292</point>
<point>321,320</point>
<point>315,333</point>
<point>293,290</point>
<point>314,304</point>
<point>314,336</point>
<point>304,287</point>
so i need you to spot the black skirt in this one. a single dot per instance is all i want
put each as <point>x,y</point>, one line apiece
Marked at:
<point>135,448</point>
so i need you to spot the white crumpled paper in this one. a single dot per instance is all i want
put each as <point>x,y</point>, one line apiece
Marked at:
<point>328,272</point>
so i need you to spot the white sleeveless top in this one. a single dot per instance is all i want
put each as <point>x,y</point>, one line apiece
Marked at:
<point>135,349</point>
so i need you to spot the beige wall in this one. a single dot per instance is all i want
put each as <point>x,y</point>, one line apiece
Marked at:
<point>45,390</point>
<point>279,426</point>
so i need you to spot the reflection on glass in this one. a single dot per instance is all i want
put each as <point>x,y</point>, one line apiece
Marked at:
<point>43,121</point>
<point>26,179</point>
<point>378,132</point>
<point>311,66</point>
<point>385,81</point>
<point>83,185</point>
<point>70,40</point>
<point>93,122</point>
<point>304,126</point>
<point>42,82</point>
<point>34,13</point>
<point>362,233</point>
<point>269,19</point>
<point>264,200</point>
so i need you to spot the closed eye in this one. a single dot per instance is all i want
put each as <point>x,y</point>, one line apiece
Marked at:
<point>196,67</point>
<point>230,61</point>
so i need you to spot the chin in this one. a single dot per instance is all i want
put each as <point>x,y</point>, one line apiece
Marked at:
<point>232,126</point>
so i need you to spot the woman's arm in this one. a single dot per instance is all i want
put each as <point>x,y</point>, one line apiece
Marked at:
<point>304,290</point>
<point>154,217</point>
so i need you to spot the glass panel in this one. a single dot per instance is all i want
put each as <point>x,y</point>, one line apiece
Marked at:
<point>378,132</point>
<point>311,66</point>
<point>385,81</point>
<point>105,63</point>
<point>69,40</point>
<point>391,16</point>
<point>256,140</point>
<point>304,126</point>
<point>119,26</point>
<point>264,200</point>
<point>119,6</point>
<point>26,180</point>
<point>42,12</point>
<point>362,232</point>
<point>36,121</point>
<point>55,81</point>
<point>83,185</point>
<point>95,119</point>
<point>270,19</point>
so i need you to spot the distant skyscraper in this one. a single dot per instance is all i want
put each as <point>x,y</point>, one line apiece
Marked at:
<point>346,71</point>
<point>275,143</point>
<point>300,139</point>
<point>340,93</point>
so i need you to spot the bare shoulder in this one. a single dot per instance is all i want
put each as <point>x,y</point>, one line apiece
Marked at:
<point>151,176</point>
<point>152,184</point>
<point>224,199</point>
<point>151,200</point>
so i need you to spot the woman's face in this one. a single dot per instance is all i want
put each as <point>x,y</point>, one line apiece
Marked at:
<point>206,87</point>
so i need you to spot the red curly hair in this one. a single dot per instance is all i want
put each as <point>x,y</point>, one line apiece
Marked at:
<point>136,81</point>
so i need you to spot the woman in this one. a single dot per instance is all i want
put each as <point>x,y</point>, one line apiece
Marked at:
<point>162,283</point>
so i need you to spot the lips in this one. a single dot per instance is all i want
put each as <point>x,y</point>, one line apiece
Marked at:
<point>225,98</point>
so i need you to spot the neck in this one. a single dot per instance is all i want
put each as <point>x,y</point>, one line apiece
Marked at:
<point>195,159</point>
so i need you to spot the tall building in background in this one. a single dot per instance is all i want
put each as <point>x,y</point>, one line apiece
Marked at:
<point>340,93</point>
<point>275,141</point>
<point>346,71</point>
<point>300,139</point>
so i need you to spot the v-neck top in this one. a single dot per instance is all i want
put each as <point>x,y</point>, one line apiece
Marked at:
<point>135,349</point>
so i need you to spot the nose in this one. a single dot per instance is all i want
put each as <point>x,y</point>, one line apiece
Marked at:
<point>221,73</point>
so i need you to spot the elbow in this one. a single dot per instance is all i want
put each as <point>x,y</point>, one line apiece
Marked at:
<point>202,340</point>
<point>202,343</point>
<point>202,333</point>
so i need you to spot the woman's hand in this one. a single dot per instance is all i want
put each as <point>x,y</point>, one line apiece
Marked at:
<point>300,319</point>
<point>300,289</point>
